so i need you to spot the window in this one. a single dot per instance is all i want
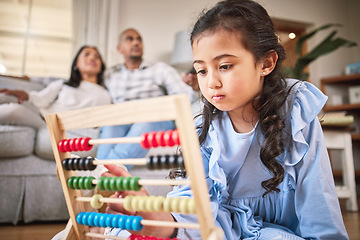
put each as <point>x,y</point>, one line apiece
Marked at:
<point>35,37</point>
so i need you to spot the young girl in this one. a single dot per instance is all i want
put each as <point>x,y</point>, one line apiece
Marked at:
<point>267,167</point>
<point>85,88</point>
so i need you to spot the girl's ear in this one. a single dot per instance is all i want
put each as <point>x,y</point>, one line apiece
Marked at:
<point>269,63</point>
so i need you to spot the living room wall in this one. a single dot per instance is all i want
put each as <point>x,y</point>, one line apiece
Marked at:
<point>159,20</point>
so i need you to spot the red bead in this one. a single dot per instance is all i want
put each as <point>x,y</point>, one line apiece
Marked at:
<point>67,145</point>
<point>160,138</point>
<point>72,144</point>
<point>77,143</point>
<point>168,138</point>
<point>175,137</point>
<point>85,144</point>
<point>152,139</point>
<point>61,146</point>
<point>145,141</point>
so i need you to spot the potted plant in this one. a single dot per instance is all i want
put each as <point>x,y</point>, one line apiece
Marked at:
<point>328,45</point>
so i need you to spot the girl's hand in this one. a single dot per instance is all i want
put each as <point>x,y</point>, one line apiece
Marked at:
<point>21,95</point>
<point>116,208</point>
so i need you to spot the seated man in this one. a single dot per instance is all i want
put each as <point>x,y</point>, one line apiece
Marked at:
<point>137,79</point>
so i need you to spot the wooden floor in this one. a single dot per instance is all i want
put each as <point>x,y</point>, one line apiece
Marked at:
<point>45,231</point>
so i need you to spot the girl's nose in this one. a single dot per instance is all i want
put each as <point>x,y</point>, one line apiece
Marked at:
<point>214,80</point>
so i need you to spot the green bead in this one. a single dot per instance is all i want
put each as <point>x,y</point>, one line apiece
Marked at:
<point>70,182</point>
<point>100,183</point>
<point>118,183</point>
<point>107,183</point>
<point>81,182</point>
<point>88,183</point>
<point>76,183</point>
<point>125,183</point>
<point>112,183</point>
<point>134,184</point>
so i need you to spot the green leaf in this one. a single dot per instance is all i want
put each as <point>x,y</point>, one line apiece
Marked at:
<point>302,39</point>
<point>328,45</point>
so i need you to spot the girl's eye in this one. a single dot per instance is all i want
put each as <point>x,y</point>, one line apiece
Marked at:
<point>201,72</point>
<point>225,67</point>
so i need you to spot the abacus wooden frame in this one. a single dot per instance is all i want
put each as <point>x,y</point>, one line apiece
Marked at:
<point>176,107</point>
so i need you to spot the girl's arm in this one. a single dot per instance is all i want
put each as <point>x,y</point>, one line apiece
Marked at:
<point>114,208</point>
<point>316,201</point>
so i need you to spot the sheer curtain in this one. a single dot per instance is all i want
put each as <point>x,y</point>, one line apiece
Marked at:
<point>96,22</point>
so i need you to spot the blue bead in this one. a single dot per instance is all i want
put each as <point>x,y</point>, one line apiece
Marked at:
<point>128,222</point>
<point>108,220</point>
<point>85,218</point>
<point>97,219</point>
<point>91,219</point>
<point>136,223</point>
<point>102,220</point>
<point>79,217</point>
<point>115,220</point>
<point>121,222</point>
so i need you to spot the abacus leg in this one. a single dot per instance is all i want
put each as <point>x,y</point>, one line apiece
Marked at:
<point>216,234</point>
<point>69,233</point>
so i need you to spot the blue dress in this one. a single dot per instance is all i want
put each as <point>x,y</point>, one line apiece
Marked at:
<point>306,207</point>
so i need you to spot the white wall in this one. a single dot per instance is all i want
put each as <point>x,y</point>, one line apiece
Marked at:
<point>159,20</point>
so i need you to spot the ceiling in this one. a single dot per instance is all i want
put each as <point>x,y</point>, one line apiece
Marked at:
<point>35,37</point>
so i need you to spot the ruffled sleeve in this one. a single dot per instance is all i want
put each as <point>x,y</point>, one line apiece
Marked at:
<point>306,103</point>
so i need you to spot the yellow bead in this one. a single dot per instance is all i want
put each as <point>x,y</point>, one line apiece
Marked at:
<point>127,203</point>
<point>95,201</point>
<point>183,205</point>
<point>175,205</point>
<point>158,205</point>
<point>191,206</point>
<point>141,203</point>
<point>167,204</point>
<point>150,202</point>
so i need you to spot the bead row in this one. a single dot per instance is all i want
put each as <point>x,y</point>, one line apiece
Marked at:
<point>78,163</point>
<point>165,162</point>
<point>152,162</point>
<point>75,144</point>
<point>160,204</point>
<point>132,223</point>
<point>77,182</point>
<point>139,237</point>
<point>160,139</point>
<point>119,183</point>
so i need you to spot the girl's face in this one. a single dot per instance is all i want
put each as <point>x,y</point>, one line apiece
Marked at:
<point>89,62</point>
<point>229,78</point>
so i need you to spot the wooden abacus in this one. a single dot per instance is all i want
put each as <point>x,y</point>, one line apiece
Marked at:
<point>176,108</point>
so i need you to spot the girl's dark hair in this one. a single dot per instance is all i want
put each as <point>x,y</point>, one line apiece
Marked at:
<point>75,76</point>
<point>252,23</point>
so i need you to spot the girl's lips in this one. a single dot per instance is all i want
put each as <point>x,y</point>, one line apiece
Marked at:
<point>217,98</point>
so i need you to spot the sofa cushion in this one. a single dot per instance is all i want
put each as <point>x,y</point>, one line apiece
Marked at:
<point>16,141</point>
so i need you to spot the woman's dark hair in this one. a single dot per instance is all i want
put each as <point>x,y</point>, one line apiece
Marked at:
<point>251,22</point>
<point>75,76</point>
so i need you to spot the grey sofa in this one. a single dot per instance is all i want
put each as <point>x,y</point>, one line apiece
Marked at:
<point>30,189</point>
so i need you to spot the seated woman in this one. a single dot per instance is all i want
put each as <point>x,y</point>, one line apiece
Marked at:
<point>85,88</point>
